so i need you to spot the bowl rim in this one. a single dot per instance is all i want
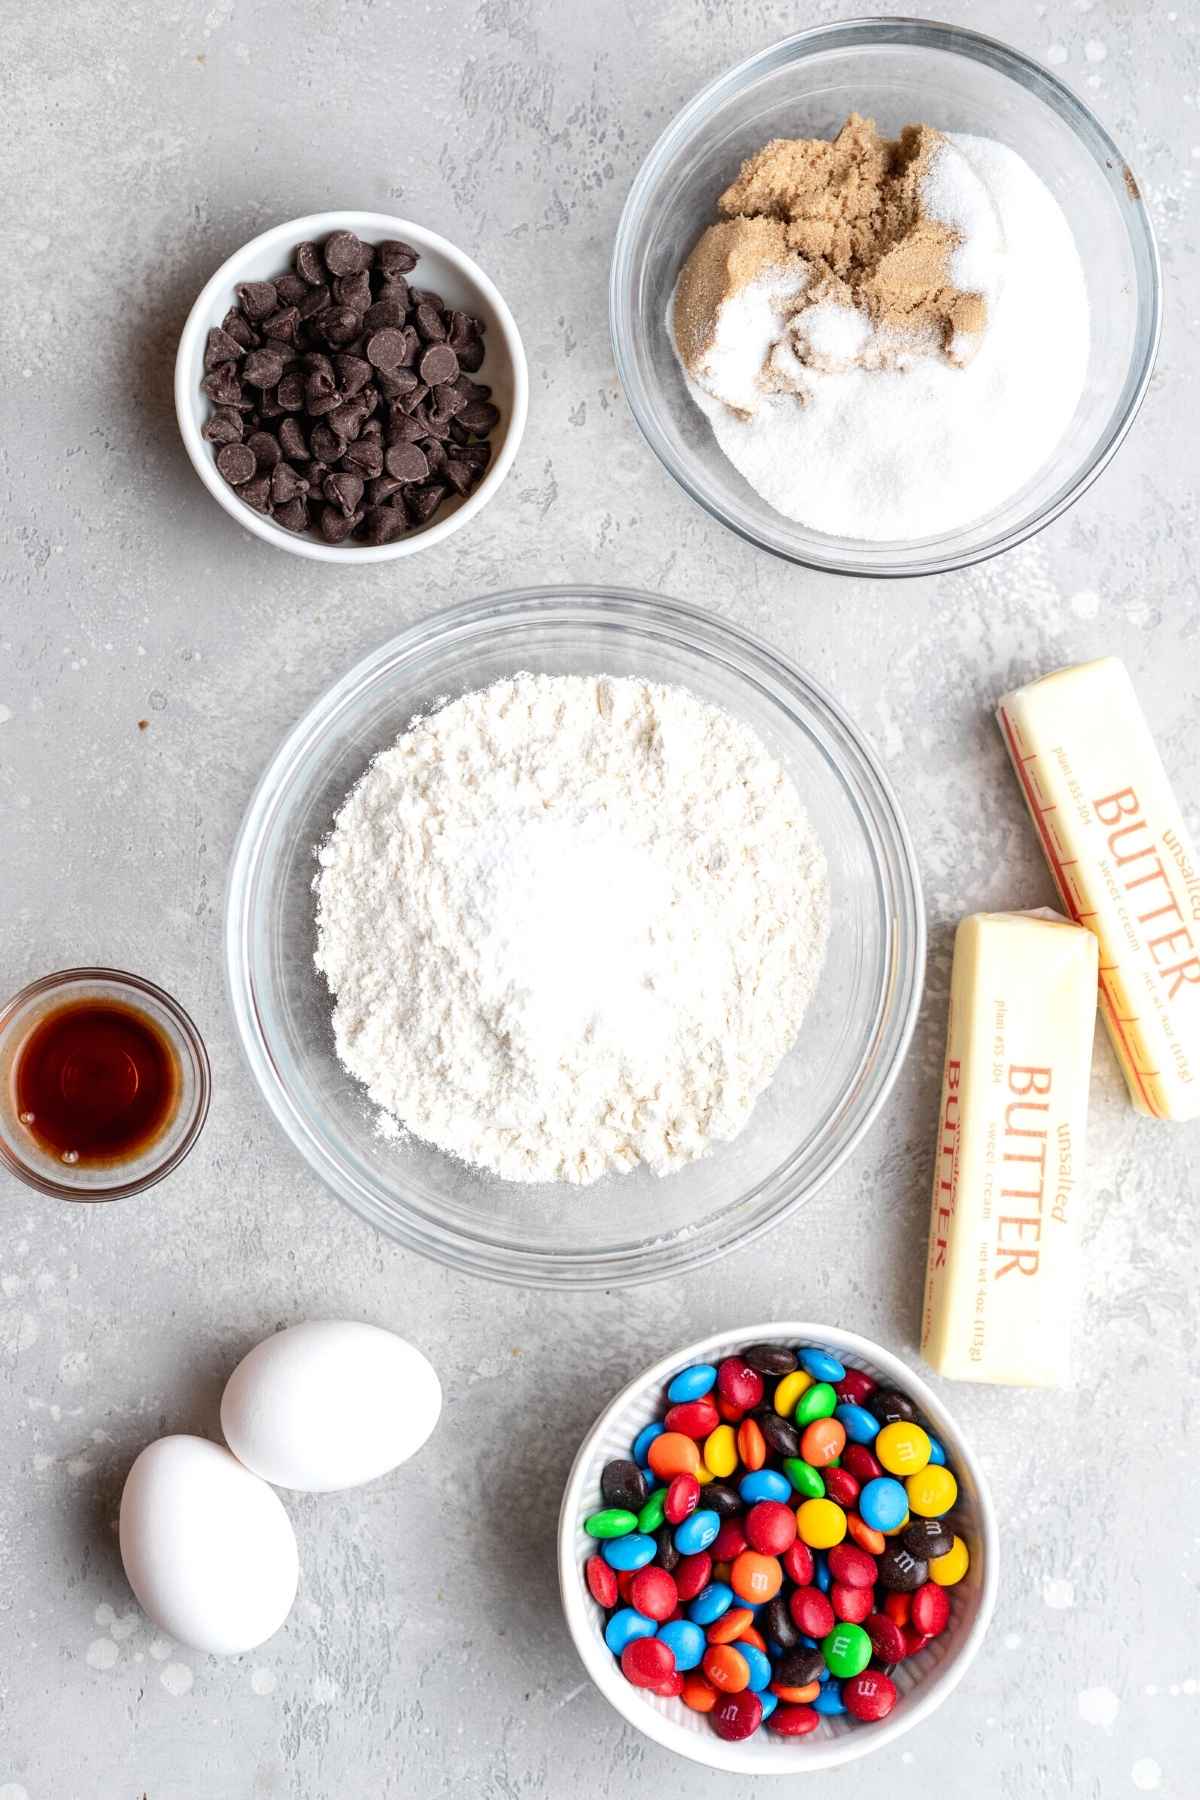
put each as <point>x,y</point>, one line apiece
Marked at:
<point>189,1034</point>
<point>807,1755</point>
<point>904,942</point>
<point>188,398</point>
<point>1036,79</point>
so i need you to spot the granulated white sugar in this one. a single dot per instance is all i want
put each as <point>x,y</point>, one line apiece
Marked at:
<point>849,439</point>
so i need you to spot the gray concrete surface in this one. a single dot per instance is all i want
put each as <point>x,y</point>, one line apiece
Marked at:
<point>426,1656</point>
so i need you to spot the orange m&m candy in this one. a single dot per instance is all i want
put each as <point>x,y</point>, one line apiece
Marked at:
<point>755,1577</point>
<point>726,1668</point>
<point>673,1454</point>
<point>752,1445</point>
<point>823,1440</point>
<point>698,1694</point>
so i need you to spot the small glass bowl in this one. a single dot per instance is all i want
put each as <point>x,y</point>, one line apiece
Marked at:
<point>632,1227</point>
<point>19,1151</point>
<point>897,71</point>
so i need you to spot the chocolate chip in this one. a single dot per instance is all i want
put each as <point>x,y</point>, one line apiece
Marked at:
<point>286,484</point>
<point>223,427</point>
<point>470,356</point>
<point>323,403</point>
<point>290,392</point>
<point>423,502</point>
<point>435,455</point>
<point>461,330</point>
<point>477,456</point>
<point>366,455</point>
<point>325,444</point>
<point>257,493</point>
<point>291,289</point>
<point>406,462</point>
<point>386,348</point>
<point>438,364</point>
<point>396,257</point>
<point>340,324</point>
<point>265,446</point>
<point>237,463</point>
<point>257,299</point>
<point>310,265</point>
<point>240,330</point>
<point>219,347</point>
<point>282,326</point>
<point>346,420</point>
<point>314,303</point>
<point>263,368</point>
<point>335,526</point>
<point>382,489</point>
<point>224,389</point>
<point>431,424</point>
<point>460,477</point>
<point>383,524</point>
<point>384,312</point>
<point>346,254</point>
<point>343,489</point>
<point>430,323</point>
<point>448,400</point>
<point>292,440</point>
<point>292,515</point>
<point>353,373</point>
<point>353,291</point>
<point>404,429</point>
<point>480,417</point>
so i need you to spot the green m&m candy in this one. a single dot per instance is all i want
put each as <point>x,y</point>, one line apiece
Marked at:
<point>610,1522</point>
<point>651,1515</point>
<point>816,1402</point>
<point>847,1651</point>
<point>804,1478</point>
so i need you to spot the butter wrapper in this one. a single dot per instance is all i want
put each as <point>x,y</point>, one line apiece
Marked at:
<point>1001,1277</point>
<point>1125,866</point>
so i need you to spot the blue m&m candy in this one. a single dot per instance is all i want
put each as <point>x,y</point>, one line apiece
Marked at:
<point>883,1504</point>
<point>691,1383</point>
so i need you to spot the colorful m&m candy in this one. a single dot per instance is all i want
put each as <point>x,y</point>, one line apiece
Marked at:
<point>775,1543</point>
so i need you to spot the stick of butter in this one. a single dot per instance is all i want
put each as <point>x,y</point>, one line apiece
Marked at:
<point>1003,1241</point>
<point>1125,866</point>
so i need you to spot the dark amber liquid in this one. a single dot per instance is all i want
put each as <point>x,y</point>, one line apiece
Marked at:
<point>95,1082</point>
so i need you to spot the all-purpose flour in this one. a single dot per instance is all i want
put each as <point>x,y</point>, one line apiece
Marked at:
<point>571,925</point>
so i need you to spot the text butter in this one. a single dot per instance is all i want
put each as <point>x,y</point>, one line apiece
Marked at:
<point>1125,866</point>
<point>1000,1281</point>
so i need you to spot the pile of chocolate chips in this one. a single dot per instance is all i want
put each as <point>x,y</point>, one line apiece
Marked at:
<point>342,397</point>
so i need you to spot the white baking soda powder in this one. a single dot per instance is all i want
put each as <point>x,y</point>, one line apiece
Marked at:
<point>571,925</point>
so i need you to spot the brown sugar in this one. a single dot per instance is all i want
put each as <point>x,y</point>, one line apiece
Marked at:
<point>851,209</point>
<point>728,257</point>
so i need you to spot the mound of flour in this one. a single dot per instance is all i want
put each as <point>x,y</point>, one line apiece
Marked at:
<point>571,924</point>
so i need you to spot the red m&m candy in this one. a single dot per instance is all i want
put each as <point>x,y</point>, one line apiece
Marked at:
<point>870,1695</point>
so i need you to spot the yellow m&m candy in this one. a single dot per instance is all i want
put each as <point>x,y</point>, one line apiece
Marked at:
<point>949,1569</point>
<point>932,1491</point>
<point>902,1447</point>
<point>720,1452</point>
<point>821,1524</point>
<point>790,1390</point>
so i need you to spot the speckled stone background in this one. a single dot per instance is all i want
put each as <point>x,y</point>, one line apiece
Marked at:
<point>426,1655</point>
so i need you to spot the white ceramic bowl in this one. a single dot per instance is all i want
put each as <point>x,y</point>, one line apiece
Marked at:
<point>444,269</point>
<point>924,1680</point>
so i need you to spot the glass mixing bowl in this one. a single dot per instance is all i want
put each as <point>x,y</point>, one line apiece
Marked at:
<point>897,71</point>
<point>632,1227</point>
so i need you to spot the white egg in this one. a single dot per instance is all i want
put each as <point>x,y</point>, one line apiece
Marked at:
<point>329,1404</point>
<point>208,1549</point>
